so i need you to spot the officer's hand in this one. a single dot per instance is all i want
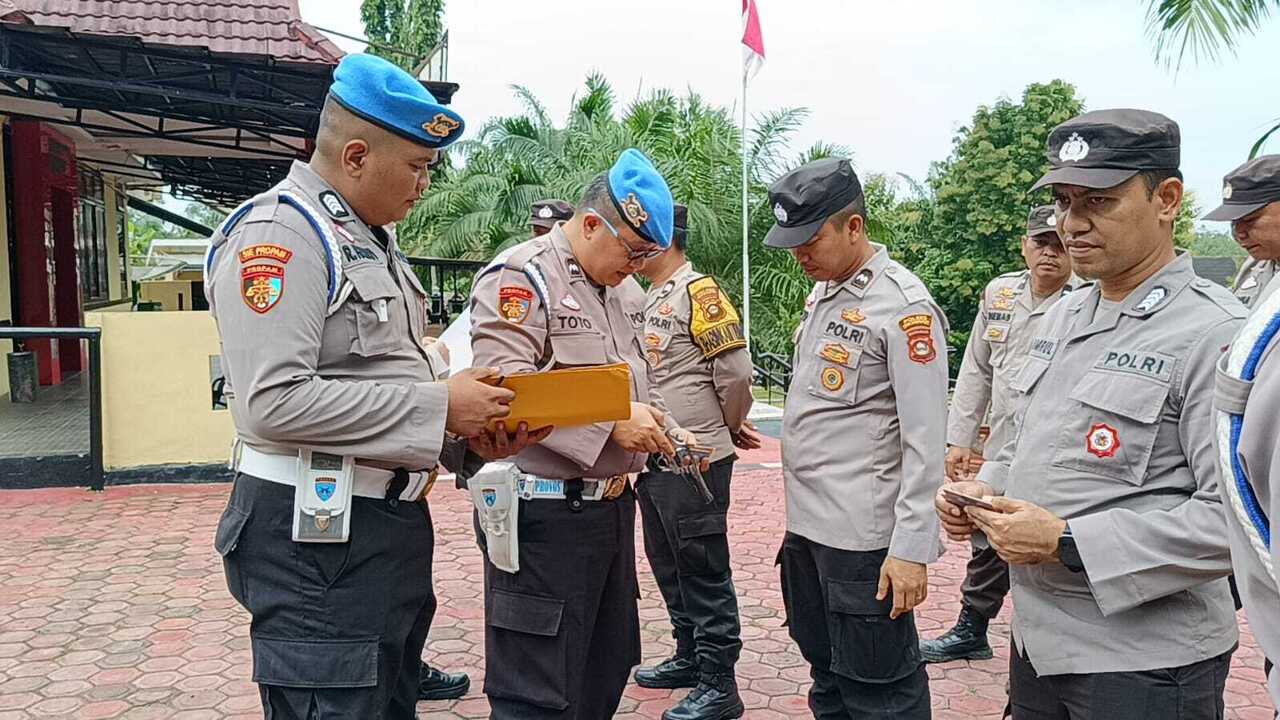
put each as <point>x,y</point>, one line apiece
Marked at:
<point>472,403</point>
<point>747,437</point>
<point>643,432</point>
<point>955,522</point>
<point>909,582</point>
<point>1022,533</point>
<point>958,463</point>
<point>501,444</point>
<point>686,437</point>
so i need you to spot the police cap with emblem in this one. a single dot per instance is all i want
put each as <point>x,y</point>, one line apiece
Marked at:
<point>1042,219</point>
<point>1104,148</point>
<point>642,197</point>
<point>384,95</point>
<point>546,213</point>
<point>804,198</point>
<point>1249,188</point>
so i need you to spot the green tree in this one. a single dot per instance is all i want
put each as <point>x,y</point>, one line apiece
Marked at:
<point>402,31</point>
<point>979,206</point>
<point>1216,243</point>
<point>482,205</point>
<point>1204,29</point>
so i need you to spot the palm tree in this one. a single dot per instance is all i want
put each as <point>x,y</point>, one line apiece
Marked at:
<point>480,205</point>
<point>1204,29</point>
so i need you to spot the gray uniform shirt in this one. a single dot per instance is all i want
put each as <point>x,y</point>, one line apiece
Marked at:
<point>693,341</point>
<point>1008,317</point>
<point>355,381</point>
<point>1258,453</point>
<point>1116,437</point>
<point>863,434</point>
<point>520,324</point>
<point>1253,282</point>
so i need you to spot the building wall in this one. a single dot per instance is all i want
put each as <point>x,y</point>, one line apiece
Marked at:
<point>6,309</point>
<point>157,400</point>
<point>171,294</point>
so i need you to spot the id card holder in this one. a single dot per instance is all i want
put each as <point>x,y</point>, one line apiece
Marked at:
<point>322,497</point>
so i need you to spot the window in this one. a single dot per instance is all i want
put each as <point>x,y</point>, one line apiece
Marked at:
<point>91,242</point>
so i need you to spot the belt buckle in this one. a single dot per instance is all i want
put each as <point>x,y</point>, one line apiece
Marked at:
<point>613,487</point>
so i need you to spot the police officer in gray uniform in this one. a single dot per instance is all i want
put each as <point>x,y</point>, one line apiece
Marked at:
<point>1009,314</point>
<point>1247,205</point>
<point>694,343</point>
<point>1109,515</point>
<point>1248,402</point>
<point>862,449</point>
<point>562,631</point>
<point>340,424</point>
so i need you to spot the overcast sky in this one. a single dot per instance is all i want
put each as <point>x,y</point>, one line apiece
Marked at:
<point>892,81</point>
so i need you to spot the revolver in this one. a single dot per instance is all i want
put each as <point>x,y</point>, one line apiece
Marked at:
<point>687,463</point>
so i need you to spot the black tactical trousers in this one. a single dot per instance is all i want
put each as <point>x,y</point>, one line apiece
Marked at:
<point>864,666</point>
<point>986,582</point>
<point>1189,692</point>
<point>337,628</point>
<point>562,634</point>
<point>686,540</point>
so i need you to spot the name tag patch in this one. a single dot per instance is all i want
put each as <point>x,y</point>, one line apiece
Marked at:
<point>1044,348</point>
<point>999,317</point>
<point>848,333</point>
<point>1154,365</point>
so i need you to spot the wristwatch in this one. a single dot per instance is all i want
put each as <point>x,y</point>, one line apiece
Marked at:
<point>1068,554</point>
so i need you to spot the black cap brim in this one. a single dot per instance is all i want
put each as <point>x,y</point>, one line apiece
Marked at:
<point>1095,178</point>
<point>785,238</point>
<point>547,223</point>
<point>1230,212</point>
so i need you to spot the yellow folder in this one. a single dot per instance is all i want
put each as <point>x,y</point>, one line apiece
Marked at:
<point>569,397</point>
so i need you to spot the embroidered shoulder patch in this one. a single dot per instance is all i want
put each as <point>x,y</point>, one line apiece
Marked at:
<point>919,330</point>
<point>261,287</point>
<point>514,303</point>
<point>267,252</point>
<point>713,323</point>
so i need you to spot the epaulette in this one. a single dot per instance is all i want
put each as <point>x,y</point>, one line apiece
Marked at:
<point>1221,297</point>
<point>912,287</point>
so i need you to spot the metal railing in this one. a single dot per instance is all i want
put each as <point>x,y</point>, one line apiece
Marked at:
<point>772,372</point>
<point>97,477</point>
<point>448,285</point>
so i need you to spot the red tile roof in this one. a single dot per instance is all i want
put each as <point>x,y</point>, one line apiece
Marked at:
<point>245,27</point>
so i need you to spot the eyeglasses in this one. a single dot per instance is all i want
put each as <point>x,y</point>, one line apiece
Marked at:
<point>632,253</point>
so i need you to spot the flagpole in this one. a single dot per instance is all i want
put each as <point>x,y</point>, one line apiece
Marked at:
<point>746,224</point>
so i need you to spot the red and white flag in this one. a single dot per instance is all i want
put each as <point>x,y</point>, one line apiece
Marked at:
<point>752,40</point>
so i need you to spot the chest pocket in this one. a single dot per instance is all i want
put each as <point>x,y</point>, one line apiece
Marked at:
<point>1114,430</point>
<point>374,311</point>
<point>834,364</point>
<point>578,349</point>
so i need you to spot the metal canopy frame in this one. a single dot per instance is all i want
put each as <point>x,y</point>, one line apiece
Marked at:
<point>123,89</point>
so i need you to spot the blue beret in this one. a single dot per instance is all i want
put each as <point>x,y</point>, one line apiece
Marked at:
<point>642,197</point>
<point>383,94</point>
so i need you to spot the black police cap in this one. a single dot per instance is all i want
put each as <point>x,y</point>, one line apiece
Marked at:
<point>546,213</point>
<point>803,199</point>
<point>1249,188</point>
<point>1042,219</point>
<point>680,224</point>
<point>1104,148</point>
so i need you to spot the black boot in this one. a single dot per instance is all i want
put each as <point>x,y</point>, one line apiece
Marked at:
<point>966,641</point>
<point>436,684</point>
<point>715,698</point>
<point>678,671</point>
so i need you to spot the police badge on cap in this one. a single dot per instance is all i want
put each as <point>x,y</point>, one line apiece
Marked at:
<point>1104,148</point>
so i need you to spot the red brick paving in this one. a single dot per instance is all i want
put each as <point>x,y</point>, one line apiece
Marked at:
<point>114,606</point>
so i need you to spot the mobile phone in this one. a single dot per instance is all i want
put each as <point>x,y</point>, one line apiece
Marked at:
<point>961,500</point>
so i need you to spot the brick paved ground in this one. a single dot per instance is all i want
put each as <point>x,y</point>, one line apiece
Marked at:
<point>114,606</point>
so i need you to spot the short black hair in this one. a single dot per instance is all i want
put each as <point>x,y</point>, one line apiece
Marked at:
<point>1153,178</point>
<point>858,206</point>
<point>599,198</point>
<point>680,239</point>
